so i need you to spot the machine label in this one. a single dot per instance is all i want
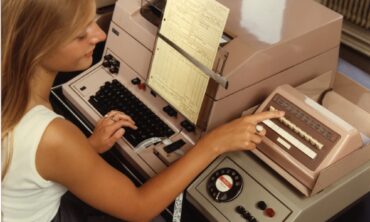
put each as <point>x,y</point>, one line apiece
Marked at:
<point>224,183</point>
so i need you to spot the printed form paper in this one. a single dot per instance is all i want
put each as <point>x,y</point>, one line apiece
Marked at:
<point>196,26</point>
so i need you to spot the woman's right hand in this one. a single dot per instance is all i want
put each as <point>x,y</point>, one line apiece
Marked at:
<point>239,134</point>
<point>109,129</point>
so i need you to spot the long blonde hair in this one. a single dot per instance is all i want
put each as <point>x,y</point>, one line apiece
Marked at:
<point>31,30</point>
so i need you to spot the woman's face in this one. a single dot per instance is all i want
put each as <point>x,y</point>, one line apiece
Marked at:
<point>77,54</point>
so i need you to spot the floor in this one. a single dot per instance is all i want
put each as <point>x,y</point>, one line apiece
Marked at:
<point>355,73</point>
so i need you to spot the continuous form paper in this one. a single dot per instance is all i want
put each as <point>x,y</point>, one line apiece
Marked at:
<point>177,80</point>
<point>196,26</point>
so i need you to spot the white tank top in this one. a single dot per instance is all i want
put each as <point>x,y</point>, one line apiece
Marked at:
<point>26,196</point>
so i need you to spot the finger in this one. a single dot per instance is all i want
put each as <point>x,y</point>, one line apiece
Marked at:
<point>250,145</point>
<point>105,121</point>
<point>259,117</point>
<point>251,128</point>
<point>115,137</point>
<point>255,138</point>
<point>122,123</point>
<point>122,116</point>
<point>117,115</point>
<point>111,113</point>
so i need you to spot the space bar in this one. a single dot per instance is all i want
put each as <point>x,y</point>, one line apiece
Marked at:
<point>302,147</point>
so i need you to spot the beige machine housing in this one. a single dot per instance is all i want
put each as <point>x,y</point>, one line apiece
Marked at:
<point>296,51</point>
<point>335,115</point>
<point>337,185</point>
<point>272,43</point>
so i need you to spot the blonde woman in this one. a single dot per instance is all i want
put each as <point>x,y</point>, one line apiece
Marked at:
<point>45,155</point>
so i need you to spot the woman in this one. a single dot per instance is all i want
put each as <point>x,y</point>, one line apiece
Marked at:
<point>44,155</point>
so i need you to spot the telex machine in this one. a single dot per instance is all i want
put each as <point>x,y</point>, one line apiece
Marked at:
<point>260,55</point>
<point>312,163</point>
<point>264,46</point>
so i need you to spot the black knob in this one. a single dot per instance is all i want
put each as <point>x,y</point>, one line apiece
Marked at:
<point>114,62</point>
<point>247,216</point>
<point>153,93</point>
<point>136,81</point>
<point>253,219</point>
<point>108,57</point>
<point>261,205</point>
<point>240,209</point>
<point>188,126</point>
<point>113,69</point>
<point>106,63</point>
<point>170,111</point>
<point>174,146</point>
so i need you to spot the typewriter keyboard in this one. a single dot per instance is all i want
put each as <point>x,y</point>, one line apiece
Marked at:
<point>114,96</point>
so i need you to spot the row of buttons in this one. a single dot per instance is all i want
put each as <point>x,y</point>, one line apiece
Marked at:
<point>299,131</point>
<point>267,211</point>
<point>111,63</point>
<point>308,120</point>
<point>245,214</point>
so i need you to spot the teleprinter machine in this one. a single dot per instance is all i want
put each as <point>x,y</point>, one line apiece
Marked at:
<point>266,43</point>
<point>268,46</point>
<point>312,163</point>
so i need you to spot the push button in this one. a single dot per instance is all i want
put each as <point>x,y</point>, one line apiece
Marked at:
<point>245,214</point>
<point>106,63</point>
<point>261,205</point>
<point>108,57</point>
<point>136,81</point>
<point>113,69</point>
<point>111,63</point>
<point>240,209</point>
<point>174,146</point>
<point>142,86</point>
<point>170,111</point>
<point>269,212</point>
<point>188,126</point>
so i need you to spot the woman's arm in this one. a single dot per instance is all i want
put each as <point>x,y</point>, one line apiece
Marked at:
<point>65,156</point>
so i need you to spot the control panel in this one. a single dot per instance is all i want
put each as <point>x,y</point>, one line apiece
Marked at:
<point>308,139</point>
<point>237,196</point>
<point>303,136</point>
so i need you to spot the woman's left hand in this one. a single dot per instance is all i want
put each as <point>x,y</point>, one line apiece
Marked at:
<point>109,129</point>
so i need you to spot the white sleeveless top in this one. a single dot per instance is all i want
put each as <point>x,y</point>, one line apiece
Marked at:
<point>26,196</point>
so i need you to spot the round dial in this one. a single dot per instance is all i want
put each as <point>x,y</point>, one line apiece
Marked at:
<point>224,185</point>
